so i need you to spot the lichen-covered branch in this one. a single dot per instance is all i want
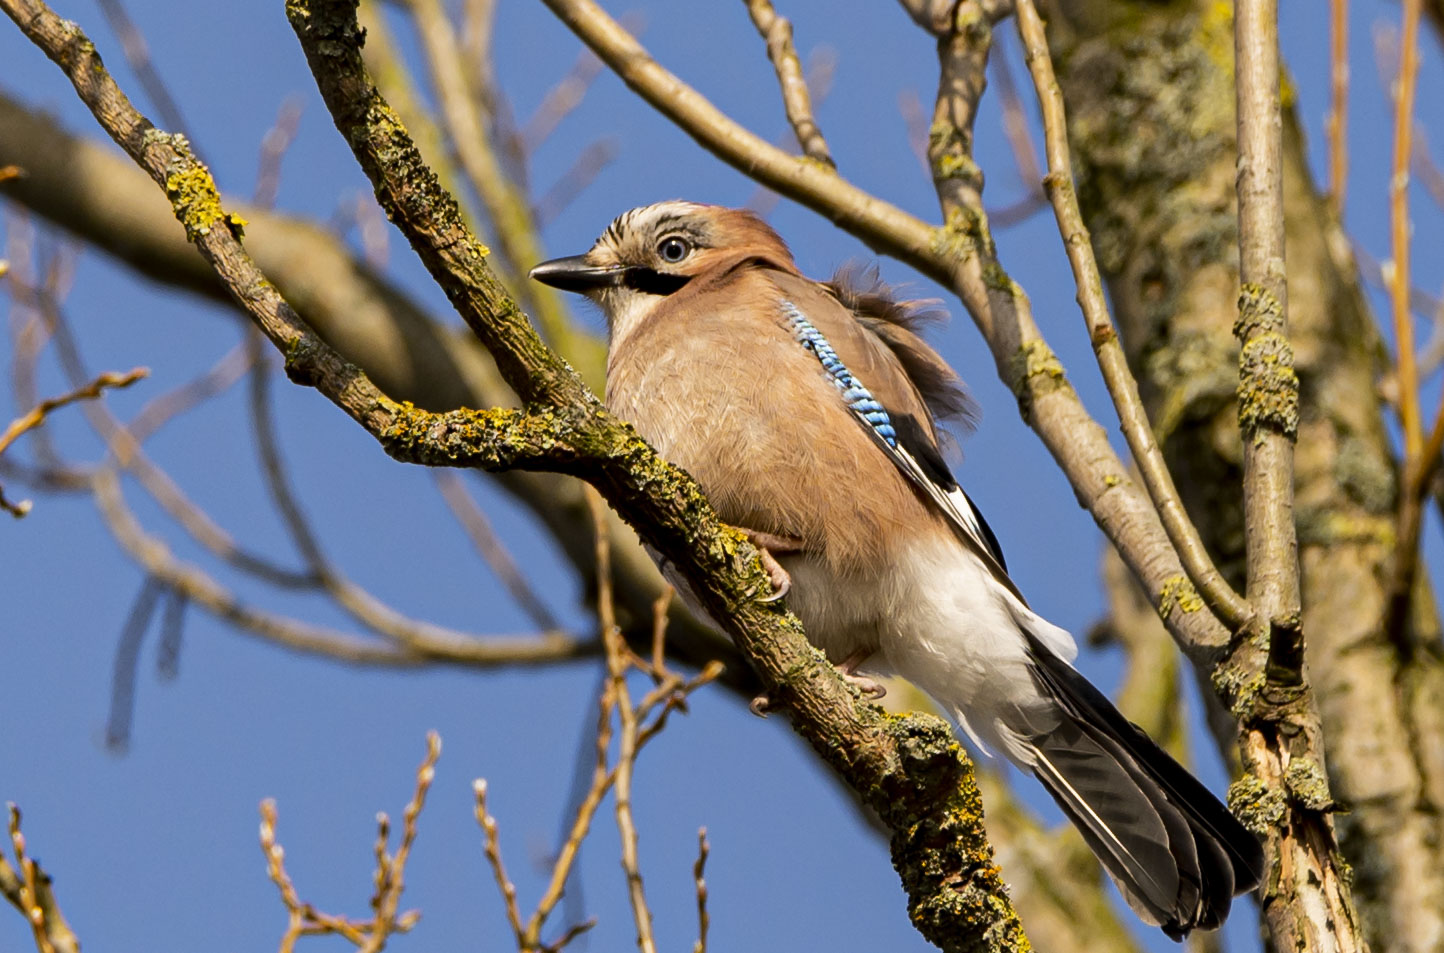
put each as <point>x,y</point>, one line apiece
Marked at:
<point>1229,605</point>
<point>910,770</point>
<point>1150,98</point>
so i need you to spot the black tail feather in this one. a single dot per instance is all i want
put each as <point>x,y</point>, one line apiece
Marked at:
<point>1174,850</point>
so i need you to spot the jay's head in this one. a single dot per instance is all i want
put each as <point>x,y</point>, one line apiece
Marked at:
<point>655,251</point>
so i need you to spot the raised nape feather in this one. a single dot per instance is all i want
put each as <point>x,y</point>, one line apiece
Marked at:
<point>897,324</point>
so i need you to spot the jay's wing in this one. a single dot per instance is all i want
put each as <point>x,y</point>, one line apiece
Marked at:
<point>889,410</point>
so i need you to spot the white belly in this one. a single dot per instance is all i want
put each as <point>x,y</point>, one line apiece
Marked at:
<point>937,618</point>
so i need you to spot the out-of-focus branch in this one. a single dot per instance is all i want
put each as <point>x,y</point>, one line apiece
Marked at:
<point>560,101</point>
<point>1015,129</point>
<point>796,101</point>
<point>137,54</point>
<point>491,549</point>
<point>1336,127</point>
<point>27,886</point>
<point>394,79</point>
<point>507,209</point>
<point>435,645</point>
<point>1231,608</point>
<point>1421,456</point>
<point>274,145</point>
<point>87,189</point>
<point>125,442</point>
<point>587,165</point>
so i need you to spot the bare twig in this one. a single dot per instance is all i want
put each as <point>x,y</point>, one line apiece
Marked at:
<point>36,416</point>
<point>601,782</point>
<point>1122,387</point>
<point>1336,127</point>
<point>619,662</point>
<point>391,871</point>
<point>698,869</point>
<point>27,886</point>
<point>659,632</point>
<point>819,75</point>
<point>670,693</point>
<point>796,100</point>
<point>487,823</point>
<point>1421,457</point>
<point>1409,415</point>
<point>369,936</point>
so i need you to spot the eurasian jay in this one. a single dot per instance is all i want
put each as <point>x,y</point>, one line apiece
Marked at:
<point>808,413</point>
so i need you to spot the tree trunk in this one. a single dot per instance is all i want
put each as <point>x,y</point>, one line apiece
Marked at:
<point>1151,119</point>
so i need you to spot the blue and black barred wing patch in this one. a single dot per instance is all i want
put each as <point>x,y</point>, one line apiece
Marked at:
<point>905,443</point>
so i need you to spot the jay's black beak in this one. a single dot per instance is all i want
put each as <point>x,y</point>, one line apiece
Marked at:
<point>575,273</point>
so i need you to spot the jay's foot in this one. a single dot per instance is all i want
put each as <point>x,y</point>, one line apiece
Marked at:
<point>761,706</point>
<point>767,544</point>
<point>871,689</point>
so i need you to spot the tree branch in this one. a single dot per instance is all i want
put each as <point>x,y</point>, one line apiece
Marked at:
<point>908,769</point>
<point>1307,900</point>
<point>102,197</point>
<point>1230,607</point>
<point>796,100</point>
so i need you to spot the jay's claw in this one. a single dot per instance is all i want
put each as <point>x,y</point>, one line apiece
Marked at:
<point>781,581</point>
<point>767,544</point>
<point>871,689</point>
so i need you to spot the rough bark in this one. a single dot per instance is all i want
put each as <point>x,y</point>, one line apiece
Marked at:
<point>1151,109</point>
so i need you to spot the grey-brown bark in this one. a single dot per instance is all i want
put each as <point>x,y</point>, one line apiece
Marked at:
<point>1150,99</point>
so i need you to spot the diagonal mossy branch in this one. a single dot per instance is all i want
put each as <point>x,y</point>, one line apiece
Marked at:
<point>908,769</point>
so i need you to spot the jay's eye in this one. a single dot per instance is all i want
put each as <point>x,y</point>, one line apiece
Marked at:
<point>674,249</point>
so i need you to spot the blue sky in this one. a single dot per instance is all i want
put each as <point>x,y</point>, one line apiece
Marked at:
<point>156,849</point>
